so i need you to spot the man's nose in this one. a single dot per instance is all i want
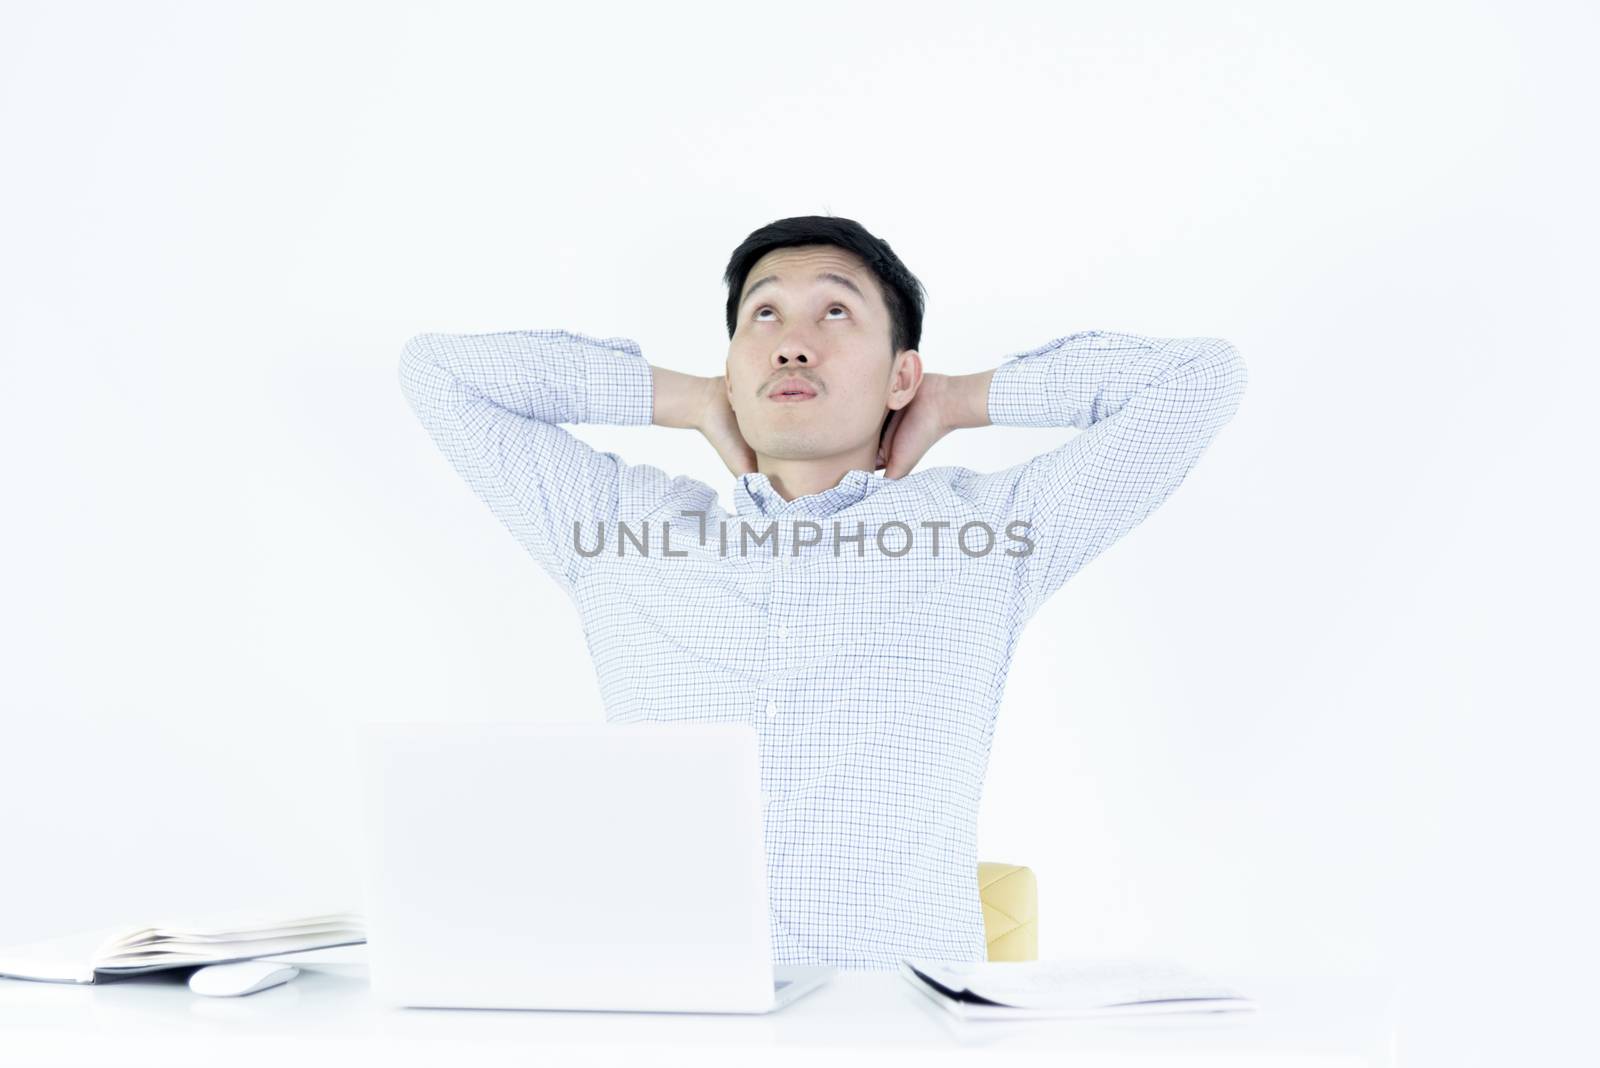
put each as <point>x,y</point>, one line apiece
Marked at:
<point>793,352</point>
<point>795,349</point>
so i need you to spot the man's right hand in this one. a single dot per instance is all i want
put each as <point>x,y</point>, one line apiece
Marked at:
<point>721,427</point>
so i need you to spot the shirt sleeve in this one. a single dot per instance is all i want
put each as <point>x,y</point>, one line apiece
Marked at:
<point>492,402</point>
<point>1146,408</point>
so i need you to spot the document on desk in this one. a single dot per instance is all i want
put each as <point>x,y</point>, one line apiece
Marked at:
<point>84,956</point>
<point>1068,988</point>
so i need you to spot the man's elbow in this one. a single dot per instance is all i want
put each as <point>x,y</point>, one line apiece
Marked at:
<point>1224,375</point>
<point>417,349</point>
<point>419,363</point>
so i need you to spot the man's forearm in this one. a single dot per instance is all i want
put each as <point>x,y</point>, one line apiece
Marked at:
<point>679,398</point>
<point>966,400</point>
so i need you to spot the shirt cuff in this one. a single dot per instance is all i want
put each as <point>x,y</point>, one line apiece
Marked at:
<point>618,384</point>
<point>1020,392</point>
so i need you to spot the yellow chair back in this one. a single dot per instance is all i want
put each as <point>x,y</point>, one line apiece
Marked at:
<point>1010,897</point>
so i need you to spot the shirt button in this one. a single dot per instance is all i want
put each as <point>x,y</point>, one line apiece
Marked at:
<point>772,708</point>
<point>783,631</point>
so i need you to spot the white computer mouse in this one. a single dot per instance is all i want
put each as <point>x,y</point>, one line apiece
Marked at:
<point>240,977</point>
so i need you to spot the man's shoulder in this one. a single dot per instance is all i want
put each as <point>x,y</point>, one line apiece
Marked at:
<point>647,490</point>
<point>948,482</point>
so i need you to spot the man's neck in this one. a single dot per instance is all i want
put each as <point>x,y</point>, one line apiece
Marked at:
<point>801,478</point>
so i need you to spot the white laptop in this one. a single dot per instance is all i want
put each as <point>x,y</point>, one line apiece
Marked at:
<point>570,866</point>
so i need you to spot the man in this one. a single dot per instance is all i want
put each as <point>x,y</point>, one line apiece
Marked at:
<point>863,625</point>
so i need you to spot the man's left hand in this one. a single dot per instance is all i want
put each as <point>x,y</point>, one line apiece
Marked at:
<point>912,430</point>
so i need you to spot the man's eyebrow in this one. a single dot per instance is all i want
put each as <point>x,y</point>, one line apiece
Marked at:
<point>825,276</point>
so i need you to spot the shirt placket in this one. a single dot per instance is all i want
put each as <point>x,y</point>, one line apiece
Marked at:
<point>774,698</point>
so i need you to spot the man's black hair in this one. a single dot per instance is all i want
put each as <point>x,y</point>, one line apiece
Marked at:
<point>902,292</point>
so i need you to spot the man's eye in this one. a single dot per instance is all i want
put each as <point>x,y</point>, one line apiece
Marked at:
<point>768,307</point>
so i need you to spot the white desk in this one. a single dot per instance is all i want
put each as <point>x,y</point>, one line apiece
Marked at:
<point>325,1015</point>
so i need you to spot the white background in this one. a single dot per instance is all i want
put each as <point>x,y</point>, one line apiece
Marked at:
<point>1328,711</point>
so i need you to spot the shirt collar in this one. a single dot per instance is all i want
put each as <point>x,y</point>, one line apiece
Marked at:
<point>753,494</point>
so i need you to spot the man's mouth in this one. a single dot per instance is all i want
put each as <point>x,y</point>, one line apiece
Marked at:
<point>792,390</point>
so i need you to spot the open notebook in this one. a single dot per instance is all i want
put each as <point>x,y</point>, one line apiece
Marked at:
<point>1008,990</point>
<point>103,953</point>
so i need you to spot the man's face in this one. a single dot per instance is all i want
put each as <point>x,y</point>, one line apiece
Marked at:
<point>833,335</point>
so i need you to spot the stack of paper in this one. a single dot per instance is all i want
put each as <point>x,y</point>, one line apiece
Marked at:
<point>1023,989</point>
<point>77,958</point>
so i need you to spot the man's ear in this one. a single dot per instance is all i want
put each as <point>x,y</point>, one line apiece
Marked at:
<point>909,375</point>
